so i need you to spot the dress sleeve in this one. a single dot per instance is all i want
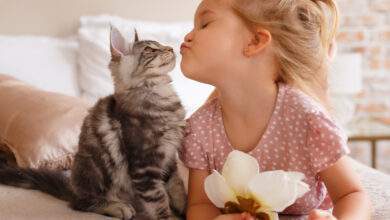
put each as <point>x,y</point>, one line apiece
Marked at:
<point>192,153</point>
<point>326,141</point>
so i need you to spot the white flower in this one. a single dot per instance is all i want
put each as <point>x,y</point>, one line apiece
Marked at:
<point>241,185</point>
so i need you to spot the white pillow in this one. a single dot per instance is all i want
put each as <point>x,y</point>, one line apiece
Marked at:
<point>47,63</point>
<point>94,56</point>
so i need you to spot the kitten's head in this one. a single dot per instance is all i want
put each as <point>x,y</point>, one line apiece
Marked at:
<point>141,59</point>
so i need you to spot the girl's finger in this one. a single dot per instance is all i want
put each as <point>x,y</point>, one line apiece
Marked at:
<point>320,215</point>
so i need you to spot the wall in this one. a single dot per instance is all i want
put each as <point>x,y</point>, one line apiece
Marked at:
<point>365,28</point>
<point>60,17</point>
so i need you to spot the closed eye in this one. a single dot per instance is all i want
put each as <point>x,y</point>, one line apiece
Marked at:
<point>205,25</point>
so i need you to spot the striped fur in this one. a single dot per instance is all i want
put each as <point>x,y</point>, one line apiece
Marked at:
<point>126,162</point>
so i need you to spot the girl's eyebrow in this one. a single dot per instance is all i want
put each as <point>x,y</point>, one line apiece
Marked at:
<point>206,11</point>
<point>203,13</point>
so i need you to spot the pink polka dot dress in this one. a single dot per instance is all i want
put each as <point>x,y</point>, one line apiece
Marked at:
<point>300,136</point>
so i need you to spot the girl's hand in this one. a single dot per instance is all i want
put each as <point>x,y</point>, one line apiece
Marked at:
<point>242,216</point>
<point>317,214</point>
<point>247,216</point>
<point>228,217</point>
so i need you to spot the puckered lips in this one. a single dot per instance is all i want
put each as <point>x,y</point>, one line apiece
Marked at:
<point>184,47</point>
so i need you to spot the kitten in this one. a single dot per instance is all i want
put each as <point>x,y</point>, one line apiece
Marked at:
<point>126,162</point>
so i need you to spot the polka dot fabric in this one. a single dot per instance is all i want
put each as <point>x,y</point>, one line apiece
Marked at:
<point>300,136</point>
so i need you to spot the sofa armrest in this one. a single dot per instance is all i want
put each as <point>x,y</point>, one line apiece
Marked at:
<point>377,185</point>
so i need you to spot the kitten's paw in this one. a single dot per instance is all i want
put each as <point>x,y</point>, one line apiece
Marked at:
<point>120,210</point>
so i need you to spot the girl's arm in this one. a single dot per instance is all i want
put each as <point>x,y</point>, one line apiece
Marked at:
<point>344,187</point>
<point>199,206</point>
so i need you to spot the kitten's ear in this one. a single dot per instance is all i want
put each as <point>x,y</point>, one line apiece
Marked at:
<point>136,38</point>
<point>118,44</point>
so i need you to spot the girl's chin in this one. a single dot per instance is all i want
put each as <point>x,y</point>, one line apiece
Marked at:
<point>187,71</point>
<point>185,67</point>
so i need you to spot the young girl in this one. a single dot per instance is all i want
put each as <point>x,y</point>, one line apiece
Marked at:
<point>268,62</point>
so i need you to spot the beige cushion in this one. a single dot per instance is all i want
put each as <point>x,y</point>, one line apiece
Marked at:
<point>22,204</point>
<point>40,128</point>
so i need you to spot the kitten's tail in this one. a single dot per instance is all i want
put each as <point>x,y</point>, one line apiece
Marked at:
<point>53,182</point>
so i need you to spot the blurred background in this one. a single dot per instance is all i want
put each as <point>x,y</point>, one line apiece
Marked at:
<point>365,32</point>
<point>71,36</point>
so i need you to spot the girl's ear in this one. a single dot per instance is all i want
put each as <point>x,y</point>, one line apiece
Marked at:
<point>332,50</point>
<point>118,44</point>
<point>260,38</point>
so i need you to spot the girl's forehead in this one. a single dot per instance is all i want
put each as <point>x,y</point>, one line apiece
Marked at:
<point>207,6</point>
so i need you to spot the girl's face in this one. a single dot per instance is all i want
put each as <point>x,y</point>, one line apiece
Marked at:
<point>212,51</point>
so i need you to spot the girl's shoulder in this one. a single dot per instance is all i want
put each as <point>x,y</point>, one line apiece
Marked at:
<point>204,114</point>
<point>202,118</point>
<point>197,136</point>
<point>297,102</point>
<point>299,106</point>
<point>321,138</point>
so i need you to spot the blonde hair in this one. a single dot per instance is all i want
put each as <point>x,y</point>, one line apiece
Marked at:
<point>302,33</point>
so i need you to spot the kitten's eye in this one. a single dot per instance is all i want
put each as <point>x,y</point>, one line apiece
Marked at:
<point>149,49</point>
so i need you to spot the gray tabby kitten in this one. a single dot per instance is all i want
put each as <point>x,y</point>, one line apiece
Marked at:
<point>126,162</point>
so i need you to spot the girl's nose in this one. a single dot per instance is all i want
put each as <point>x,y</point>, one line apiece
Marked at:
<point>188,37</point>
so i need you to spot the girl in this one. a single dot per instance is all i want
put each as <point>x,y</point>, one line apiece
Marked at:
<point>268,61</point>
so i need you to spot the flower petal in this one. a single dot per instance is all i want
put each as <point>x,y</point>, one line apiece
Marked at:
<point>302,188</point>
<point>274,188</point>
<point>238,170</point>
<point>218,190</point>
<point>298,176</point>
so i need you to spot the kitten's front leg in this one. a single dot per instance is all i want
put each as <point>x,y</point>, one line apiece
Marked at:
<point>102,206</point>
<point>177,194</point>
<point>152,194</point>
<point>118,209</point>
